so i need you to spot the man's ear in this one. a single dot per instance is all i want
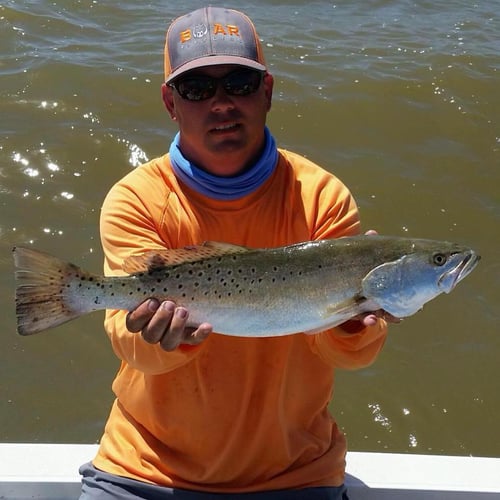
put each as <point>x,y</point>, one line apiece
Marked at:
<point>168,99</point>
<point>268,88</point>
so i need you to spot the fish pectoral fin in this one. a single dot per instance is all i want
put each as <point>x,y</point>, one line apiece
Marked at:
<point>153,260</point>
<point>348,308</point>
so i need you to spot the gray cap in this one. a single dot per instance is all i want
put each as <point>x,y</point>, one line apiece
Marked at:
<point>210,36</point>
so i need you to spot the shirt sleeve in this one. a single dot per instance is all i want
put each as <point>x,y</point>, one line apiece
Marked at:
<point>336,215</point>
<point>128,228</point>
<point>350,350</point>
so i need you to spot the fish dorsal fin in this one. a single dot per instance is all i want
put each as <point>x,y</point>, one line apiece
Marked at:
<point>159,259</point>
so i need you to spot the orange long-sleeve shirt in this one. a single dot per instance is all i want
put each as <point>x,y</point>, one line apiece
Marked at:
<point>232,414</point>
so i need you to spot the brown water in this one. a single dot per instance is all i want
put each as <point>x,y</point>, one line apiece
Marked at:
<point>400,100</point>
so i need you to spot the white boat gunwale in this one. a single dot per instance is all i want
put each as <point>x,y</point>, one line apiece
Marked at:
<point>50,471</point>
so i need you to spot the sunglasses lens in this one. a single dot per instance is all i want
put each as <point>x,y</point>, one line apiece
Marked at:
<point>201,87</point>
<point>196,88</point>
<point>242,82</point>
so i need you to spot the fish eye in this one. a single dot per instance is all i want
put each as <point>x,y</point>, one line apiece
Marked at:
<point>439,259</point>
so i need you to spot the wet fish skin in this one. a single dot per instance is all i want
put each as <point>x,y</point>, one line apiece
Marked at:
<point>305,287</point>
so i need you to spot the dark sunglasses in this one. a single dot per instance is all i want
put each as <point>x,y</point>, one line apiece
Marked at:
<point>200,87</point>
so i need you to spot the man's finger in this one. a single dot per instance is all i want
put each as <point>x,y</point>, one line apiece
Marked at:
<point>155,329</point>
<point>141,315</point>
<point>175,333</point>
<point>196,336</point>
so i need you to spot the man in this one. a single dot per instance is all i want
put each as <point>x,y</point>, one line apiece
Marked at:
<point>200,415</point>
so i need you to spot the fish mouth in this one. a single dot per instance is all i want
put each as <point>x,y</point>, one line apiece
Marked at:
<point>451,278</point>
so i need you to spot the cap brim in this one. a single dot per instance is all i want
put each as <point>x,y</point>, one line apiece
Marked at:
<point>214,61</point>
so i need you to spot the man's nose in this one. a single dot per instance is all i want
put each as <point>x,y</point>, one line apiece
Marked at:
<point>221,101</point>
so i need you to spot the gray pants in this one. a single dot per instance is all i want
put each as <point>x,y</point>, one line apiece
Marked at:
<point>99,485</point>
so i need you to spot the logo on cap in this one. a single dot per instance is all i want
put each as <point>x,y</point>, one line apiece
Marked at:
<point>200,30</point>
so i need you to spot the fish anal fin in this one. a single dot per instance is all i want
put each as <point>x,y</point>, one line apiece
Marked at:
<point>159,259</point>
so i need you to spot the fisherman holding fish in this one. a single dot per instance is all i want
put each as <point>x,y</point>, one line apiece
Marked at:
<point>199,415</point>
<point>236,283</point>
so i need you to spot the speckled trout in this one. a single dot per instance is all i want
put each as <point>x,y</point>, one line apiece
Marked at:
<point>305,287</point>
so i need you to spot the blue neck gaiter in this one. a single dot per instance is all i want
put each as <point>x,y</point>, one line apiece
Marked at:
<point>225,188</point>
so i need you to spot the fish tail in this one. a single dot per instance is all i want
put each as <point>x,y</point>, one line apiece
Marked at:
<point>43,291</point>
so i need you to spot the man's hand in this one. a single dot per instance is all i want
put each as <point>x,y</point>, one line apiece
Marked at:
<point>165,324</point>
